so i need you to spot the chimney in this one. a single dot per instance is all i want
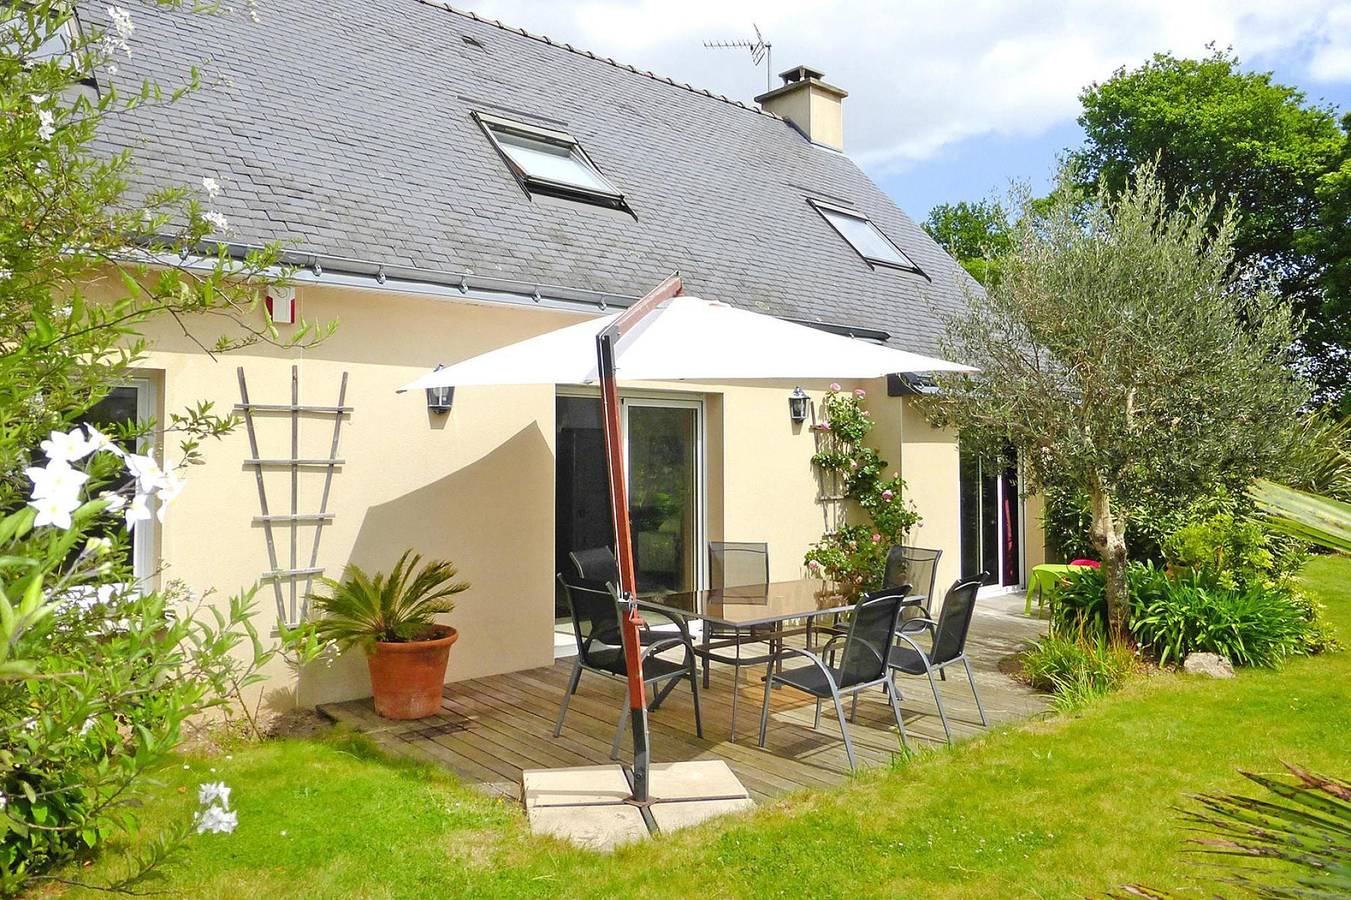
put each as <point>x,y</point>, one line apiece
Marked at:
<point>809,103</point>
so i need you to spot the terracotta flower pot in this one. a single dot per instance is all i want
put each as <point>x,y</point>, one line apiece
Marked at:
<point>407,677</point>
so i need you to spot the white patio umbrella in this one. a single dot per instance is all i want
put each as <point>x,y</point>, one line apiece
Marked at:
<point>669,337</point>
<point>686,338</point>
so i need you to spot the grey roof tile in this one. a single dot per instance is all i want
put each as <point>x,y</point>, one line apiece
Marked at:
<point>343,130</point>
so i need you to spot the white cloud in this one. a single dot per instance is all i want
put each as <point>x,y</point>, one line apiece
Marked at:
<point>1331,59</point>
<point>925,75</point>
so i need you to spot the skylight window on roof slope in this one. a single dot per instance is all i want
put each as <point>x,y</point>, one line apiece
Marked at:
<point>550,162</point>
<point>865,237</point>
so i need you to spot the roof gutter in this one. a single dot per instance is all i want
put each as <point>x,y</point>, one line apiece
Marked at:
<point>304,267</point>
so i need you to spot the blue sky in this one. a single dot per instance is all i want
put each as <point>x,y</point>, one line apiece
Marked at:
<point>949,102</point>
<point>974,169</point>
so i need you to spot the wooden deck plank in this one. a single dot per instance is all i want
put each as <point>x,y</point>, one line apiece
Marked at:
<point>491,728</point>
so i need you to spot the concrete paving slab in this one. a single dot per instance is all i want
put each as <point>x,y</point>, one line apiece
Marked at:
<point>694,779</point>
<point>670,816</point>
<point>590,827</point>
<point>574,786</point>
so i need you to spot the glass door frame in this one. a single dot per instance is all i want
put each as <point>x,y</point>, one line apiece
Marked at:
<point>669,400</point>
<point>1001,488</point>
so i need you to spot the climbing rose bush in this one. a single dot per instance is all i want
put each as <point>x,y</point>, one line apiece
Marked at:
<point>873,514</point>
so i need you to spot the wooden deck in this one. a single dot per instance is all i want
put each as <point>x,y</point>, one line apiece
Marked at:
<point>491,728</point>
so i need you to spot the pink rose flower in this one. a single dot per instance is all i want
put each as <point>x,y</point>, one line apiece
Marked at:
<point>813,565</point>
<point>834,386</point>
<point>877,538</point>
<point>824,426</point>
<point>860,393</point>
<point>887,495</point>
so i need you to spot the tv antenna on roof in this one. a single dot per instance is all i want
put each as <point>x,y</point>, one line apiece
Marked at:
<point>760,50</point>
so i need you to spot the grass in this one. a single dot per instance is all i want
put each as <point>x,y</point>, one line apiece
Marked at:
<point>1074,805</point>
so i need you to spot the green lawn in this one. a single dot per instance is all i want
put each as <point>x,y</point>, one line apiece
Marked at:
<point>1069,806</point>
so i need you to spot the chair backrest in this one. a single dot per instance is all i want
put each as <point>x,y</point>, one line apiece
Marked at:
<point>914,566</point>
<point>596,565</point>
<point>595,617</point>
<point>872,630</point>
<point>955,619</point>
<point>737,563</point>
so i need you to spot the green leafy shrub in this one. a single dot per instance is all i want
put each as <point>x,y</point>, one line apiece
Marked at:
<point>1256,625</point>
<point>1079,602</point>
<point>1077,670</point>
<point>1231,550</point>
<point>360,608</point>
<point>853,555</point>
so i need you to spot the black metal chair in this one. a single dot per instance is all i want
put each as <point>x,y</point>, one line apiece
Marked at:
<point>733,564</point>
<point>947,638</point>
<point>864,663</point>
<point>596,625</point>
<point>917,567</point>
<point>913,566</point>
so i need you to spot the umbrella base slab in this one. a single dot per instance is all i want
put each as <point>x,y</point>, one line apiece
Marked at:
<point>591,806</point>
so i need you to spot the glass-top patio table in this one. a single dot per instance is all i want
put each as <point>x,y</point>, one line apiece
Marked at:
<point>752,606</point>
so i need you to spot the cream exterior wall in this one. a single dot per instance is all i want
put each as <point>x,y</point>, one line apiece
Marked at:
<point>476,486</point>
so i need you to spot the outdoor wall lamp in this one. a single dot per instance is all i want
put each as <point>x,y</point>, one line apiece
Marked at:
<point>439,399</point>
<point>797,405</point>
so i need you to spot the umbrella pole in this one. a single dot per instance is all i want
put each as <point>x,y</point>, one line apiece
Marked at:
<point>619,505</point>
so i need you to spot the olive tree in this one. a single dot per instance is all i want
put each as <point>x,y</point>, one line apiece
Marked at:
<point>1123,348</point>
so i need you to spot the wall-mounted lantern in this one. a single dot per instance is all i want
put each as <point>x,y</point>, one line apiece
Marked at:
<point>797,405</point>
<point>439,399</point>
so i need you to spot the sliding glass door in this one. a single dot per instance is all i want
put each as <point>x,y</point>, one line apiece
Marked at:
<point>663,460</point>
<point>991,519</point>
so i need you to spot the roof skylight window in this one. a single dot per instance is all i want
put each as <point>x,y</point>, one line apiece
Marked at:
<point>865,237</point>
<point>550,162</point>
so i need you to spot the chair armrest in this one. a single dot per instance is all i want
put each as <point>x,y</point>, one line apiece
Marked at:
<point>917,648</point>
<point>663,646</point>
<point>794,651</point>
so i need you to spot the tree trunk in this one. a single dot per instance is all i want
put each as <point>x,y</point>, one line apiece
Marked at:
<point>1108,533</point>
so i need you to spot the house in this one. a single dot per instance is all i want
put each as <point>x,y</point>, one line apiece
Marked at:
<point>445,185</point>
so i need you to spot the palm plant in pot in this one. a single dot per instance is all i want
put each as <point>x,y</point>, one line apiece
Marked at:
<point>393,619</point>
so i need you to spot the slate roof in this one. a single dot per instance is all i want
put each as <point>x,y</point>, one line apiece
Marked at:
<point>344,128</point>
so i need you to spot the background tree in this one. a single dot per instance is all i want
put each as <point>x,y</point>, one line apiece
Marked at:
<point>1256,145</point>
<point>1120,348</point>
<point>975,234</point>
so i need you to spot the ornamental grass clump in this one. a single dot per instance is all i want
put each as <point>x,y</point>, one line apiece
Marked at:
<point>853,554</point>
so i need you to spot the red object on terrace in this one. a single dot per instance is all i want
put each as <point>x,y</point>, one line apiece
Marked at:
<point>1091,563</point>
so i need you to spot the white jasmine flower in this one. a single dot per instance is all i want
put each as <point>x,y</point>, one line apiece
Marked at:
<point>99,441</point>
<point>6,274</point>
<point>121,19</point>
<point>56,479</point>
<point>46,124</point>
<point>216,221</point>
<point>147,471</point>
<point>138,510</point>
<point>112,68</point>
<point>212,187</point>
<point>217,820</point>
<point>54,511</point>
<point>212,791</point>
<point>87,726</point>
<point>170,487</point>
<point>115,500</point>
<point>68,446</point>
<point>38,99</point>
